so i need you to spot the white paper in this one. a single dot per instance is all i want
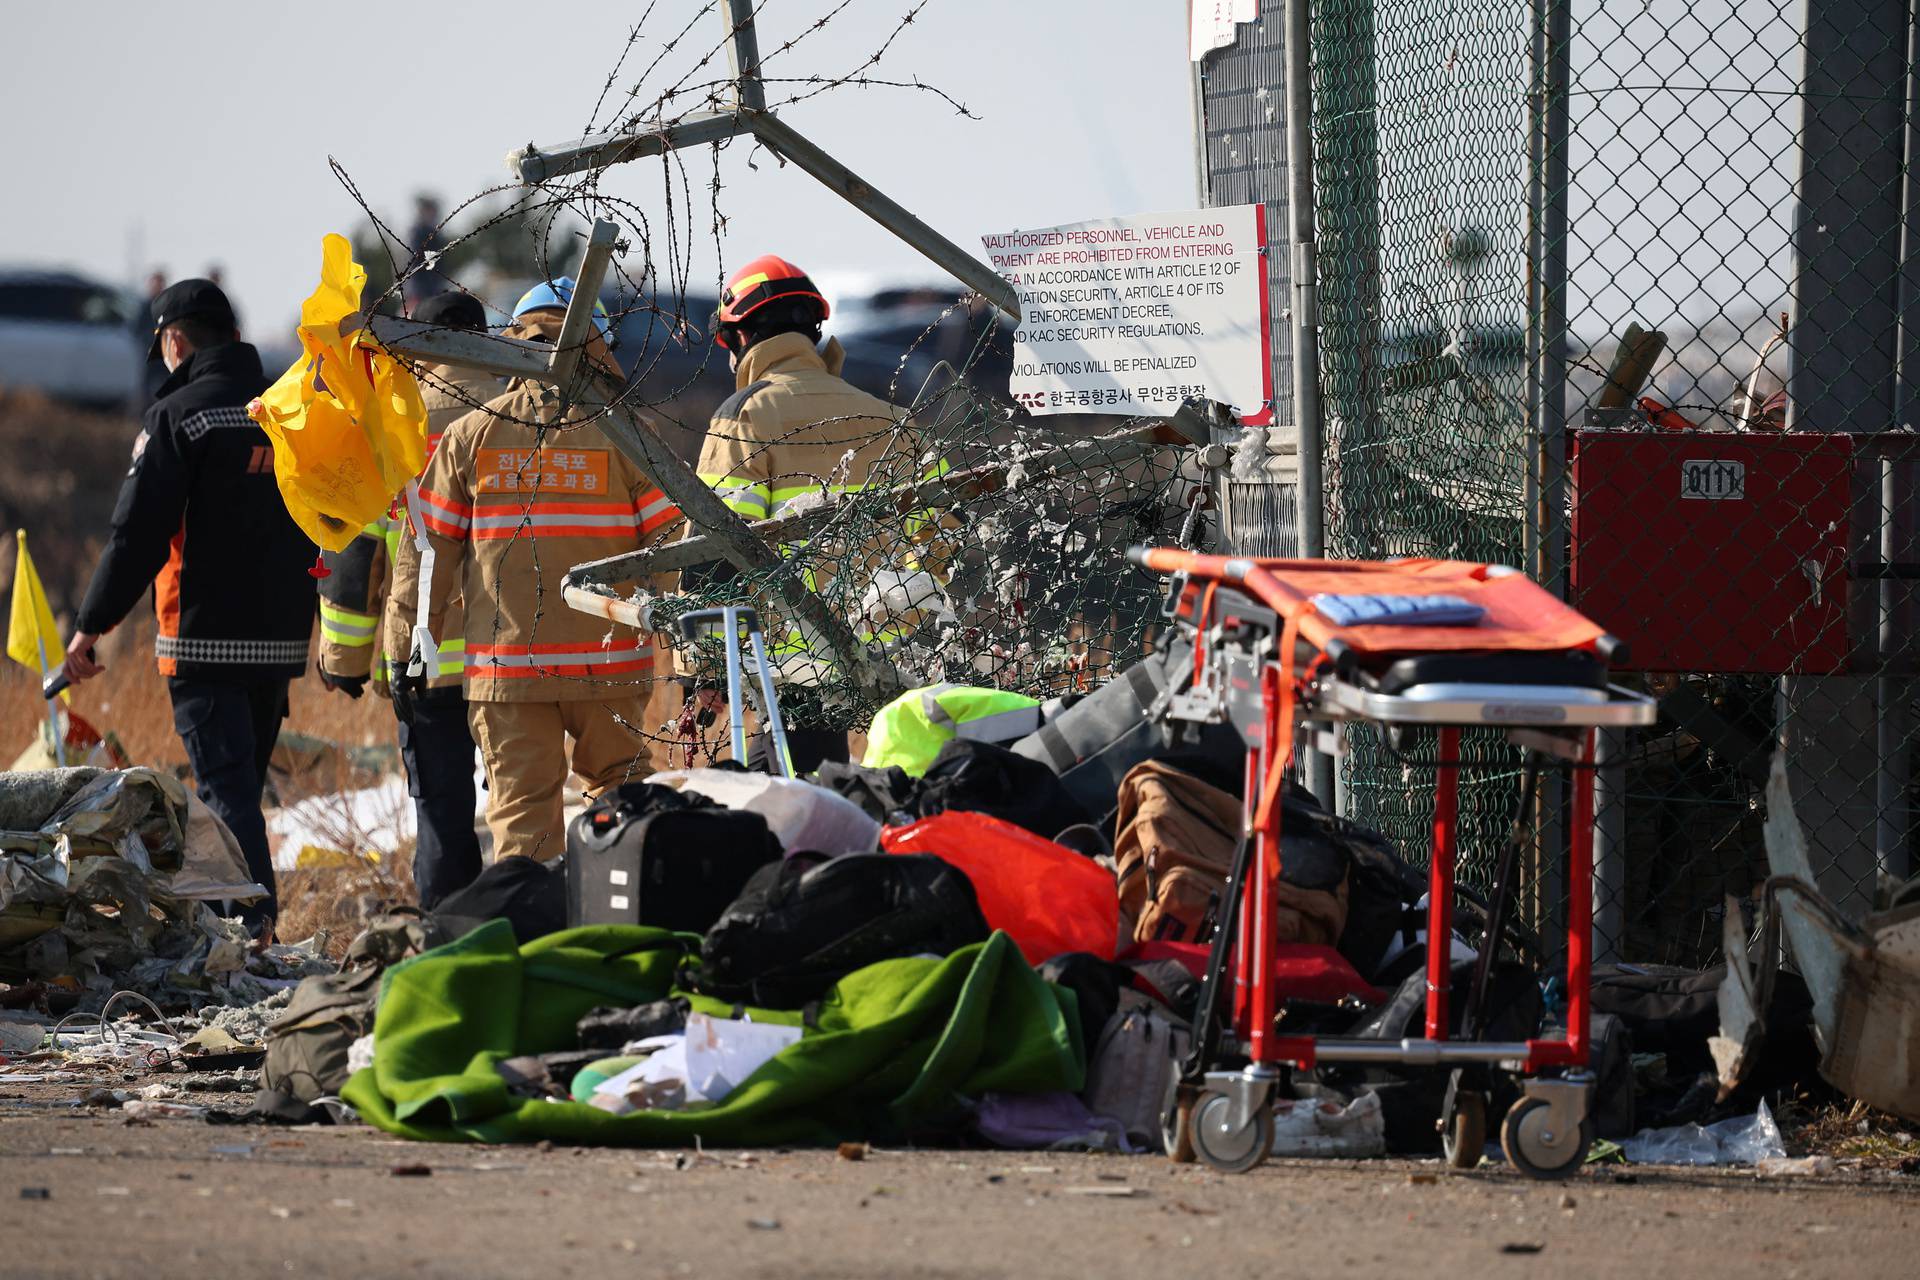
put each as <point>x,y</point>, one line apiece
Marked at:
<point>710,1060</point>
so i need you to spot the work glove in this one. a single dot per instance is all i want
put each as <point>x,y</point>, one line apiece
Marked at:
<point>404,688</point>
<point>352,686</point>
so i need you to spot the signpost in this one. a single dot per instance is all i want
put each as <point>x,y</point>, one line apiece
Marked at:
<point>1138,315</point>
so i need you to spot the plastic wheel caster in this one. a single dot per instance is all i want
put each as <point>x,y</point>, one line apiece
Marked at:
<point>1464,1138</point>
<point>1176,1129</point>
<point>1535,1148</point>
<point>1223,1146</point>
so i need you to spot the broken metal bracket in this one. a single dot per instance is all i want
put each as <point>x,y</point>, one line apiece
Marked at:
<point>574,327</point>
<point>534,164</point>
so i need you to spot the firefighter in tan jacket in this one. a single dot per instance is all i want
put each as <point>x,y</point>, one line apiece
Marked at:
<point>794,430</point>
<point>436,746</point>
<point>517,493</point>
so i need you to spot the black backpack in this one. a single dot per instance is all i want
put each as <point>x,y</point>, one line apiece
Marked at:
<point>880,793</point>
<point>530,896</point>
<point>794,932</point>
<point>979,777</point>
<point>651,855</point>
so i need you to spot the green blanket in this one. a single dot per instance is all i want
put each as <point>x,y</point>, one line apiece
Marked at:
<point>894,1051</point>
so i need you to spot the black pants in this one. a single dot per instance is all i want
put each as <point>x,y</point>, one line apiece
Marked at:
<point>437,747</point>
<point>229,731</point>
<point>810,748</point>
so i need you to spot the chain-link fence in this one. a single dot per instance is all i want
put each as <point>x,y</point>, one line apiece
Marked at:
<point>1624,295</point>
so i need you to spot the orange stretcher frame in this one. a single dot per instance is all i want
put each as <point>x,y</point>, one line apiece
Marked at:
<point>1519,617</point>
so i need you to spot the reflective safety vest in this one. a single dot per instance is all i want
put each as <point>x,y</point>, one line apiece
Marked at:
<point>910,730</point>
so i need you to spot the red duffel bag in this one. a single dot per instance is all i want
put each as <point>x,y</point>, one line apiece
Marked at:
<point>1048,898</point>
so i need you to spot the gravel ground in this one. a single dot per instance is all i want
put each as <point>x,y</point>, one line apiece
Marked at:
<point>184,1198</point>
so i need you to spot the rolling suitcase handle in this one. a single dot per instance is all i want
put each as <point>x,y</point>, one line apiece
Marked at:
<point>730,618</point>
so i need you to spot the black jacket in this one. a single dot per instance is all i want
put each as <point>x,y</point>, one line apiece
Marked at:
<point>200,519</point>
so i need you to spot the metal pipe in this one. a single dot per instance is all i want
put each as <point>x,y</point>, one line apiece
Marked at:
<point>571,343</point>
<point>784,141</point>
<point>1609,846</point>
<point>435,344</point>
<point>1420,1052</point>
<point>743,54</point>
<point>1546,476</point>
<point>1892,694</point>
<point>535,164</point>
<point>1310,504</point>
<point>1306,284</point>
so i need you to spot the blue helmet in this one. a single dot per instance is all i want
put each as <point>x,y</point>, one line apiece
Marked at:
<point>556,295</point>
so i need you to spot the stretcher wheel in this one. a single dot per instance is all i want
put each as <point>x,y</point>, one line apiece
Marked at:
<point>1463,1140</point>
<point>1176,1129</point>
<point>1222,1145</point>
<point>1535,1148</point>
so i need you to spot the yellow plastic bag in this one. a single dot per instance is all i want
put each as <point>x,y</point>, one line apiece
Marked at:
<point>348,425</point>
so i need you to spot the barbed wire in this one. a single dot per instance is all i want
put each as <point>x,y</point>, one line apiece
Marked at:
<point>1023,587</point>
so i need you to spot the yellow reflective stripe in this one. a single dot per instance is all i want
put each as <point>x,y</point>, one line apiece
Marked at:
<point>346,626</point>
<point>749,500</point>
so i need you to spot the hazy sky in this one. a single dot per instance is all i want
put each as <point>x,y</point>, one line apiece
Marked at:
<point>176,136</point>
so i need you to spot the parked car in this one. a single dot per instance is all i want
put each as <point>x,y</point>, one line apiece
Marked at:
<point>895,338</point>
<point>70,337</point>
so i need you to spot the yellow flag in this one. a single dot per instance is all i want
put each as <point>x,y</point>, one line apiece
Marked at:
<point>347,422</point>
<point>32,638</point>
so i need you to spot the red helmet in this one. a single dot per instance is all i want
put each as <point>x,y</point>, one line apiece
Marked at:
<point>765,279</point>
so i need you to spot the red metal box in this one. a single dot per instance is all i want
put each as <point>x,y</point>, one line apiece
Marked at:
<point>1710,551</point>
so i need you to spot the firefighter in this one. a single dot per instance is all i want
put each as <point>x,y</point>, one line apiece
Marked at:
<point>518,492</point>
<point>201,521</point>
<point>792,428</point>
<point>436,744</point>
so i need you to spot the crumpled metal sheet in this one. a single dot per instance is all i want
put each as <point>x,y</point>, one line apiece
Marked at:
<point>1864,978</point>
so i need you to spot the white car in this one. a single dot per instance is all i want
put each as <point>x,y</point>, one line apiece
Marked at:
<point>69,337</point>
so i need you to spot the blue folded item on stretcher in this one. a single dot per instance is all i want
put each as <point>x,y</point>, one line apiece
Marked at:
<point>1405,611</point>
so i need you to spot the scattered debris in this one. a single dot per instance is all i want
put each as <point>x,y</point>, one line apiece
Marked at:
<point>853,1151</point>
<point>36,1193</point>
<point>1804,1167</point>
<point>764,1224</point>
<point>411,1171</point>
<point>1523,1246</point>
<point>1100,1191</point>
<point>1741,1140</point>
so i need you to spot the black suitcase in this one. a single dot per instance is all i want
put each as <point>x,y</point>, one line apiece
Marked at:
<point>648,854</point>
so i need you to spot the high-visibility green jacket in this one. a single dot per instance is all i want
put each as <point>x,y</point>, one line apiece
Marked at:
<point>910,730</point>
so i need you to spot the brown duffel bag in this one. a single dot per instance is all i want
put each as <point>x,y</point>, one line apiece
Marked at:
<point>1174,850</point>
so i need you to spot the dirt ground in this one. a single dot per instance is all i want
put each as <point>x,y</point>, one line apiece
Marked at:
<point>184,1198</point>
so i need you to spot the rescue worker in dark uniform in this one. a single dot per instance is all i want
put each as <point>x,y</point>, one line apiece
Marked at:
<point>201,521</point>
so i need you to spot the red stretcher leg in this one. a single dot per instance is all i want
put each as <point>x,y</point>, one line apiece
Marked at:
<point>1446,813</point>
<point>1580,911</point>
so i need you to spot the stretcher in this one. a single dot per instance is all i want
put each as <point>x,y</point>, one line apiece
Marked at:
<point>1271,660</point>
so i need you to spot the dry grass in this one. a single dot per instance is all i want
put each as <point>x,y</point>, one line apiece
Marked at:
<point>1851,1131</point>
<point>336,903</point>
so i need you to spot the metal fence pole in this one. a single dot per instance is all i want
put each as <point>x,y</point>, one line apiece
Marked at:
<point>1609,845</point>
<point>1546,495</point>
<point>1843,374</point>
<point>1346,158</point>
<point>1311,502</point>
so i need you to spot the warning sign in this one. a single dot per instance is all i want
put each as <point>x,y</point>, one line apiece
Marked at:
<point>1135,315</point>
